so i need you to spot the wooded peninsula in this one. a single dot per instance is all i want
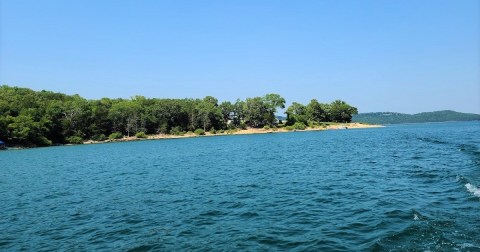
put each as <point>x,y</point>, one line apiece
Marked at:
<point>41,118</point>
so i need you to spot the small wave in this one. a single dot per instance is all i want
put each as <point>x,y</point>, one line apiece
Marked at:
<point>248,215</point>
<point>418,216</point>
<point>432,140</point>
<point>473,189</point>
<point>141,248</point>
<point>213,213</point>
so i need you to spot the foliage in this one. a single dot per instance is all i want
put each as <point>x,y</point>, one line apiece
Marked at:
<point>242,126</point>
<point>115,135</point>
<point>315,112</point>
<point>74,140</point>
<point>296,126</point>
<point>99,137</point>
<point>177,130</point>
<point>40,118</point>
<point>340,111</point>
<point>141,134</point>
<point>199,132</point>
<point>260,111</point>
<point>296,113</point>
<point>212,131</point>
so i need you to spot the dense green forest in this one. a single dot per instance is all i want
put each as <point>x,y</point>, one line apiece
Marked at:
<point>42,118</point>
<point>393,118</point>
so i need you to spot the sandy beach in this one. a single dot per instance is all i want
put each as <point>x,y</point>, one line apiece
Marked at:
<point>248,131</point>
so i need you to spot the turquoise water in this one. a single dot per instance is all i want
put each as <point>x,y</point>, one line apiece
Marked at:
<point>404,187</point>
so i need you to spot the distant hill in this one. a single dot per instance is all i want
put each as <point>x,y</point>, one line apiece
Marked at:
<point>393,118</point>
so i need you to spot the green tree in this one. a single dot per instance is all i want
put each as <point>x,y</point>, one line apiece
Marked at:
<point>260,111</point>
<point>238,112</point>
<point>296,113</point>
<point>29,117</point>
<point>76,117</point>
<point>209,113</point>
<point>24,130</point>
<point>340,111</point>
<point>257,113</point>
<point>315,112</point>
<point>227,110</point>
<point>125,116</point>
<point>274,101</point>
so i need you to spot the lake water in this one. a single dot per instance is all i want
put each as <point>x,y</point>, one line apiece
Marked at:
<point>396,188</point>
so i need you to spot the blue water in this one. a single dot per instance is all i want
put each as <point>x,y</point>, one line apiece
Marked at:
<point>404,187</point>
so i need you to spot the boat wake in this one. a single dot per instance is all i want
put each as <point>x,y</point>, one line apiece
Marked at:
<point>473,189</point>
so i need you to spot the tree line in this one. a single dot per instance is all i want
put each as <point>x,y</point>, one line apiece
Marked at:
<point>40,118</point>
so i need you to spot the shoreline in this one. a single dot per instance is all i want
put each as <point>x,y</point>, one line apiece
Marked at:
<point>248,131</point>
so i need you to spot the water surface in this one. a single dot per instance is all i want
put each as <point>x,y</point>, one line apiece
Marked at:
<point>404,187</point>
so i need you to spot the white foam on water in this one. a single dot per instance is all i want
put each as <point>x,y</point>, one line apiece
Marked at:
<point>415,217</point>
<point>473,189</point>
<point>467,245</point>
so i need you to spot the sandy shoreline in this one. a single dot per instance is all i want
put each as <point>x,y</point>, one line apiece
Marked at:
<point>239,132</point>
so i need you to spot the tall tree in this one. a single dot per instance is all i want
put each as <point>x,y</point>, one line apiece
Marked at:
<point>315,111</point>
<point>238,112</point>
<point>257,112</point>
<point>227,110</point>
<point>296,113</point>
<point>340,111</point>
<point>209,113</point>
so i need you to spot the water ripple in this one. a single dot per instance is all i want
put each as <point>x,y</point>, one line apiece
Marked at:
<point>400,188</point>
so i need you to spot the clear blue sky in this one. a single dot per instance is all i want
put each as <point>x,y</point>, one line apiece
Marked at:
<point>402,56</point>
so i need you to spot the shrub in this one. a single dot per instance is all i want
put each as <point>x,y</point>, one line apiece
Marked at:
<point>243,126</point>
<point>43,141</point>
<point>199,132</point>
<point>100,137</point>
<point>299,126</point>
<point>115,135</point>
<point>313,124</point>
<point>266,127</point>
<point>163,128</point>
<point>177,130</point>
<point>296,126</point>
<point>220,131</point>
<point>212,131</point>
<point>141,134</point>
<point>74,140</point>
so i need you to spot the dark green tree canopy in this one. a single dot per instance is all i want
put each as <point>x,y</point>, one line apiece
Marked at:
<point>340,111</point>
<point>337,111</point>
<point>31,118</point>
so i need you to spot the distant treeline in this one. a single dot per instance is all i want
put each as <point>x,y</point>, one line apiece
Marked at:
<point>31,118</point>
<point>394,118</point>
